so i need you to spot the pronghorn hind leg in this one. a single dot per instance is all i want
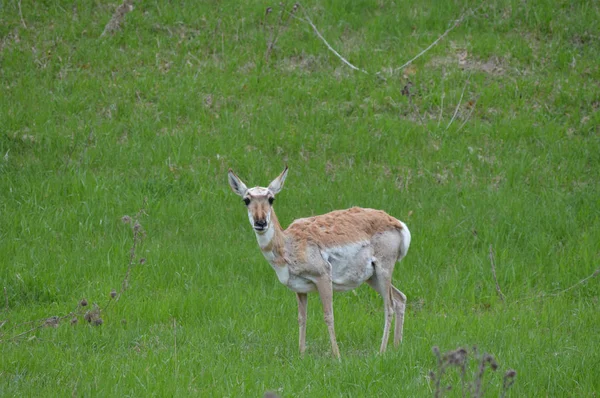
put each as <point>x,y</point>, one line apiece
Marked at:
<point>302,299</point>
<point>399,308</point>
<point>383,287</point>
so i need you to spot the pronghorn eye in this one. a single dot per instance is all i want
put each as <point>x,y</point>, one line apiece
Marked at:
<point>247,201</point>
<point>271,200</point>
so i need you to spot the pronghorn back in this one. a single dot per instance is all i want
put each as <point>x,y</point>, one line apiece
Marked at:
<point>341,227</point>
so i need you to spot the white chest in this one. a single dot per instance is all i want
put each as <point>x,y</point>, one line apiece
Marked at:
<point>293,282</point>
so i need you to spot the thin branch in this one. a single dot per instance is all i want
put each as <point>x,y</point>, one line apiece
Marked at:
<point>52,321</point>
<point>450,29</point>
<point>21,14</point>
<point>468,117</point>
<point>593,275</point>
<point>117,18</point>
<point>459,102</point>
<point>274,33</point>
<point>443,96</point>
<point>310,22</point>
<point>494,274</point>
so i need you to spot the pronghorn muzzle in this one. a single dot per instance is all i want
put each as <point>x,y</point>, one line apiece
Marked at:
<point>260,225</point>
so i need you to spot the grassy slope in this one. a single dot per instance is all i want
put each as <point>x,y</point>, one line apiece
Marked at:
<point>89,127</point>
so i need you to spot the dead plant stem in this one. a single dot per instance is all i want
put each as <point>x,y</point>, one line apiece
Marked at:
<point>494,274</point>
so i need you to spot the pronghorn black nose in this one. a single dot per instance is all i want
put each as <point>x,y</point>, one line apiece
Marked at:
<point>260,224</point>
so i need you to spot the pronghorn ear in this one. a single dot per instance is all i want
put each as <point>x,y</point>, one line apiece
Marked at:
<point>236,184</point>
<point>277,184</point>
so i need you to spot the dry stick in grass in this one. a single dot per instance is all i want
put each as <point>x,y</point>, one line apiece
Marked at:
<point>310,22</point>
<point>468,117</point>
<point>593,275</point>
<point>138,234</point>
<point>21,14</point>
<point>117,19</point>
<point>281,26</point>
<point>41,323</point>
<point>581,282</point>
<point>494,274</point>
<point>443,96</point>
<point>451,28</point>
<point>459,102</point>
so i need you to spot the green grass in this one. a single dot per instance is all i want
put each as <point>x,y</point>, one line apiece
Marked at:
<point>92,127</point>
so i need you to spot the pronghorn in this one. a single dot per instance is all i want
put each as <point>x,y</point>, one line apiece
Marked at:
<point>336,251</point>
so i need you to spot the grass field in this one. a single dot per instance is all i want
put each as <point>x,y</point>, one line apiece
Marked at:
<point>494,143</point>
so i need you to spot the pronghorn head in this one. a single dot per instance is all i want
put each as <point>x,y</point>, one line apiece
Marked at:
<point>258,200</point>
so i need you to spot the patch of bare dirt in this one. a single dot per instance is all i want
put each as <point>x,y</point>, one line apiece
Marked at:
<point>301,63</point>
<point>495,66</point>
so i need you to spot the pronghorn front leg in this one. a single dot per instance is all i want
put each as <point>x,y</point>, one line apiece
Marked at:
<point>302,304</point>
<point>325,289</point>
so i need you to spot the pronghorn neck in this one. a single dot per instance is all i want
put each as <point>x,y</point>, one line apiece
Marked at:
<point>272,242</point>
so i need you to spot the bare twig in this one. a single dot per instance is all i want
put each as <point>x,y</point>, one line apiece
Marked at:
<point>274,32</point>
<point>281,26</point>
<point>443,96</point>
<point>459,102</point>
<point>21,14</point>
<point>51,321</point>
<point>310,22</point>
<point>494,274</point>
<point>117,19</point>
<point>467,118</point>
<point>450,29</point>
<point>138,234</point>
<point>593,275</point>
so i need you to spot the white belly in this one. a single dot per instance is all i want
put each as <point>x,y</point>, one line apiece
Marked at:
<point>351,265</point>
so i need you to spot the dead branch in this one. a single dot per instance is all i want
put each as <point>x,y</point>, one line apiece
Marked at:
<point>459,103</point>
<point>468,116</point>
<point>593,275</point>
<point>310,22</point>
<point>450,29</point>
<point>117,19</point>
<point>281,26</point>
<point>21,14</point>
<point>494,274</point>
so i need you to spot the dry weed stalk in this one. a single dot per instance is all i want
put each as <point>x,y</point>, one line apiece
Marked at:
<point>92,315</point>
<point>494,274</point>
<point>459,358</point>
<point>593,275</point>
<point>21,14</point>
<point>280,27</point>
<point>118,17</point>
<point>542,295</point>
